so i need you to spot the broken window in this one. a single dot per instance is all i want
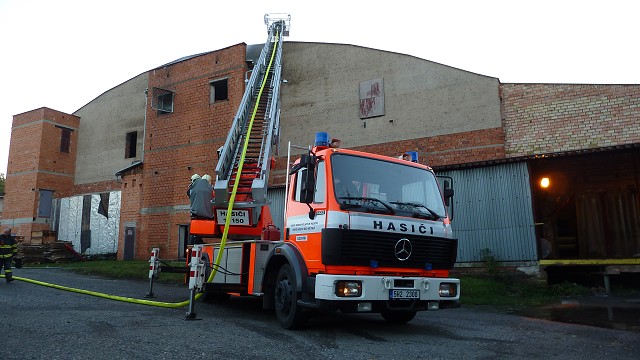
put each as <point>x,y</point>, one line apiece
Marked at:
<point>65,139</point>
<point>219,91</point>
<point>130,147</point>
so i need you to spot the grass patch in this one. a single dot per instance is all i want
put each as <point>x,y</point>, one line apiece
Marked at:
<point>493,291</point>
<point>510,290</point>
<point>130,270</point>
<point>497,287</point>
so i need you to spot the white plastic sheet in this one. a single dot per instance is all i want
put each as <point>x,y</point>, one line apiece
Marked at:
<point>104,230</point>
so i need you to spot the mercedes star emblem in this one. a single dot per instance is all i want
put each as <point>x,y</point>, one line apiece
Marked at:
<point>403,249</point>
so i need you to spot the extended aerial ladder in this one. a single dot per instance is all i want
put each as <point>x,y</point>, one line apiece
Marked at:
<point>245,160</point>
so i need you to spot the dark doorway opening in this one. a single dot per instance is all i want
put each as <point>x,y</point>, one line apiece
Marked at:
<point>588,207</point>
<point>129,243</point>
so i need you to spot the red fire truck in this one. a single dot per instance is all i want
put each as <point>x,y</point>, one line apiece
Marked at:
<point>362,232</point>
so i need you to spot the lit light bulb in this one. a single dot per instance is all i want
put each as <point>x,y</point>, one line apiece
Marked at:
<point>544,182</point>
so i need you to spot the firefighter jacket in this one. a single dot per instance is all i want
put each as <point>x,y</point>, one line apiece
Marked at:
<point>8,246</point>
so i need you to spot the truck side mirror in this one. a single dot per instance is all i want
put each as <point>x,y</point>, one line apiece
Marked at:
<point>308,183</point>
<point>447,193</point>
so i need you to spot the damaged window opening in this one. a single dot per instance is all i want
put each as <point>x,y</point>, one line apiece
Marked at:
<point>130,147</point>
<point>218,91</point>
<point>65,139</point>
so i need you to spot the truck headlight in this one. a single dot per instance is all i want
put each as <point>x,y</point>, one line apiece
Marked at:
<point>348,288</point>
<point>448,290</point>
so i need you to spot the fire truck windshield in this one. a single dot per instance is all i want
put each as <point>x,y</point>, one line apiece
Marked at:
<point>405,188</point>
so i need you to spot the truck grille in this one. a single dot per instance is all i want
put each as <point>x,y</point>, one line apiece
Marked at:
<point>364,248</point>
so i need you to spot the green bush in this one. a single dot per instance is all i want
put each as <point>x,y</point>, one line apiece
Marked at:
<point>490,262</point>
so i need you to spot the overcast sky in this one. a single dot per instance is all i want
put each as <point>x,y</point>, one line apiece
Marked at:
<point>62,54</point>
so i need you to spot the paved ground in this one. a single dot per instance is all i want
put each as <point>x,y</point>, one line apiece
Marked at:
<point>614,311</point>
<point>46,323</point>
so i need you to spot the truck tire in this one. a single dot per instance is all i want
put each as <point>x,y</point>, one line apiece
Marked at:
<point>210,296</point>
<point>288,313</point>
<point>398,317</point>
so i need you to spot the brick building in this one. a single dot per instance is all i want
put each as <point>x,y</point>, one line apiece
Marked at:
<point>42,163</point>
<point>121,187</point>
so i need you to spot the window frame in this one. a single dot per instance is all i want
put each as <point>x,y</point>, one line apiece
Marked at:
<point>388,180</point>
<point>161,100</point>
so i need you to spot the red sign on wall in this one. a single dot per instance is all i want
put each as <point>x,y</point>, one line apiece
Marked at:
<point>371,98</point>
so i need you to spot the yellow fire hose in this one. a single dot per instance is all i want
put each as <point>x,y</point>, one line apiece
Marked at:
<point>102,295</point>
<point>222,242</point>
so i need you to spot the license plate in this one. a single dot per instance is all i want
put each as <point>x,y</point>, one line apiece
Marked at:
<point>404,294</point>
<point>238,217</point>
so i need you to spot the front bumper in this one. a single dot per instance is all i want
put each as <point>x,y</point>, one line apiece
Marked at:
<point>378,288</point>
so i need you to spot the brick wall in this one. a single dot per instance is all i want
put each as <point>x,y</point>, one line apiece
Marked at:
<point>92,188</point>
<point>181,143</point>
<point>450,149</point>
<point>131,202</point>
<point>547,118</point>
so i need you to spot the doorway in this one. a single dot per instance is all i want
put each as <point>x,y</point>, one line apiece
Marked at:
<point>129,243</point>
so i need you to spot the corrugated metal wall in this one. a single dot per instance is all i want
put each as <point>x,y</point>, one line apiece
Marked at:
<point>277,196</point>
<point>493,210</point>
